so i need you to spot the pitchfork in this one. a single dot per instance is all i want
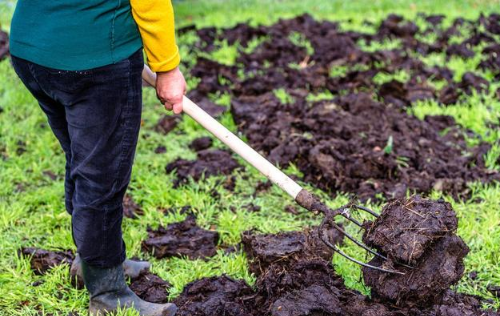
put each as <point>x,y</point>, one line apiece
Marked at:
<point>303,197</point>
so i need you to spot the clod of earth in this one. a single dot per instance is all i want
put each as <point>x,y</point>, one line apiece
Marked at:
<point>262,187</point>
<point>42,260</point>
<point>160,150</point>
<point>456,304</point>
<point>167,123</point>
<point>181,239</point>
<point>440,267</point>
<point>210,162</point>
<point>315,299</point>
<point>406,228</point>
<point>151,288</point>
<point>4,45</point>
<point>422,233</point>
<point>214,296</point>
<point>305,286</point>
<point>130,208</point>
<point>201,143</point>
<point>283,248</point>
<point>495,290</point>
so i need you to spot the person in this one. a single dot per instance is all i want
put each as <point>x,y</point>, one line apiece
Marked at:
<point>82,61</point>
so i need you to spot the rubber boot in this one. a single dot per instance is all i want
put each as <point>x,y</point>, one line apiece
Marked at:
<point>109,291</point>
<point>132,269</point>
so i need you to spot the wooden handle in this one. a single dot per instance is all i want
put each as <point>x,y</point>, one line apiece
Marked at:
<point>232,141</point>
<point>149,76</point>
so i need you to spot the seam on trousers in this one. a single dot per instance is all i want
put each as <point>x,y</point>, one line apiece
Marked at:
<point>123,123</point>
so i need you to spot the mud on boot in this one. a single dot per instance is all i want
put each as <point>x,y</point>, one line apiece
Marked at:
<point>109,291</point>
<point>132,269</point>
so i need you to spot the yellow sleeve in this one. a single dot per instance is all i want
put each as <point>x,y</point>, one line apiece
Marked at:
<point>155,19</point>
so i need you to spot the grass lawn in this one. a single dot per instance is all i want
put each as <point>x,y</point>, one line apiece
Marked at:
<point>32,206</point>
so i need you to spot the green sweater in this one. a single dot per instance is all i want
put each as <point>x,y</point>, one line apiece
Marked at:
<point>74,34</point>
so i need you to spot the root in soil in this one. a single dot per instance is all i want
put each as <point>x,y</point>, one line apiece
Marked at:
<point>181,239</point>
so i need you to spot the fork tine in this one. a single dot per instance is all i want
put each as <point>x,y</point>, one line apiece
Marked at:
<point>360,244</point>
<point>366,209</point>
<point>340,252</point>
<point>344,211</point>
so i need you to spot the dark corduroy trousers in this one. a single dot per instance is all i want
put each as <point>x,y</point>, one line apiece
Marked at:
<point>96,115</point>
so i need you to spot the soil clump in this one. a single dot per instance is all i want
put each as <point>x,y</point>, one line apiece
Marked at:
<point>42,260</point>
<point>283,248</point>
<point>210,162</point>
<point>406,228</point>
<point>181,239</point>
<point>201,143</point>
<point>214,296</point>
<point>421,233</point>
<point>150,287</point>
<point>4,45</point>
<point>167,123</point>
<point>131,209</point>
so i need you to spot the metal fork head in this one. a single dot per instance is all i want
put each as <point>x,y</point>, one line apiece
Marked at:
<point>344,211</point>
<point>313,204</point>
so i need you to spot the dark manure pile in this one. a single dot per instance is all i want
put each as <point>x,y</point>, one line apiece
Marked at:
<point>421,233</point>
<point>214,296</point>
<point>295,276</point>
<point>151,288</point>
<point>4,45</point>
<point>406,228</point>
<point>210,162</point>
<point>360,140</point>
<point>130,208</point>
<point>181,239</point>
<point>266,249</point>
<point>42,260</point>
<point>355,144</point>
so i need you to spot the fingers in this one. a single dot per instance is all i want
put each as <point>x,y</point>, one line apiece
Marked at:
<point>177,108</point>
<point>168,106</point>
<point>170,89</point>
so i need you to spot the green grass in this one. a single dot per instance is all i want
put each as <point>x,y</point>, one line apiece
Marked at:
<point>32,209</point>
